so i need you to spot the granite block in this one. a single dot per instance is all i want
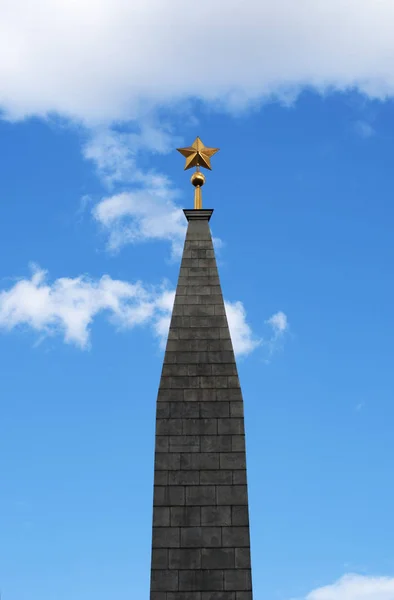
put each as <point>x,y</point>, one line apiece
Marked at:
<point>186,300</point>
<point>231,426</point>
<point>199,369</point>
<point>207,262</point>
<point>216,443</point>
<point>203,461</point>
<point>182,382</point>
<point>201,580</point>
<point>162,443</point>
<point>161,477</point>
<point>218,558</point>
<point>179,410</point>
<point>185,558</point>
<point>162,580</point>
<point>200,495</point>
<point>232,495</point>
<point>163,410</point>
<point>239,477</point>
<point>173,370</point>
<point>238,579</point>
<point>238,443</point>
<point>221,345</point>
<point>199,333</point>
<point>207,321</point>
<point>233,460</point>
<point>168,427</point>
<point>161,517</point>
<point>199,426</point>
<point>166,537</point>
<point>208,395</point>
<point>168,495</point>
<point>188,516</point>
<point>170,357</point>
<point>220,356</point>
<point>244,596</point>
<point>167,395</point>
<point>224,369</point>
<point>240,516</point>
<point>214,409</point>
<point>202,537</point>
<point>159,596</point>
<point>192,357</point>
<point>194,310</point>
<point>159,558</point>
<point>237,409</point>
<point>216,515</point>
<point>216,382</point>
<point>229,395</point>
<point>184,443</point>
<point>167,461</point>
<point>184,477</point>
<point>217,477</point>
<point>235,537</point>
<point>242,558</point>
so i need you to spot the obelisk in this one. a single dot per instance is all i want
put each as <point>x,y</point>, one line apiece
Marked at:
<point>201,543</point>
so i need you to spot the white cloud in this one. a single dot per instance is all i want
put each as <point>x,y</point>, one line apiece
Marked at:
<point>140,215</point>
<point>244,341</point>
<point>68,306</point>
<point>356,587</point>
<point>279,323</point>
<point>112,60</point>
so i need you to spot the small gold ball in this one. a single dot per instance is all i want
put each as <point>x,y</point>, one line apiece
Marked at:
<point>198,179</point>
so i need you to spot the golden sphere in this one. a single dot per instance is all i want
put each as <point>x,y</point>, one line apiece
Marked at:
<point>197,179</point>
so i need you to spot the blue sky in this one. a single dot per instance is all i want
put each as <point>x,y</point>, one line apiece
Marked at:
<point>91,228</point>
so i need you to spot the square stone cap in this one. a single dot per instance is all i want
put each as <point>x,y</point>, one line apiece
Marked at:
<point>200,214</point>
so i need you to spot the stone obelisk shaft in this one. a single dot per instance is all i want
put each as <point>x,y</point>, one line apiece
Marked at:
<point>201,545</point>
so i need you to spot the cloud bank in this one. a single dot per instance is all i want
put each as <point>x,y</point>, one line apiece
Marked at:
<point>112,60</point>
<point>68,306</point>
<point>356,587</point>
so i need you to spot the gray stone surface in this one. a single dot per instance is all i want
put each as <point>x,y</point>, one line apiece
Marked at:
<point>201,541</point>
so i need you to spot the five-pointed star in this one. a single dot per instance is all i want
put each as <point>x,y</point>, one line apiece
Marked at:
<point>198,155</point>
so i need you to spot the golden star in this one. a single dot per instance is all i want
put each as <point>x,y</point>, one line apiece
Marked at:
<point>198,155</point>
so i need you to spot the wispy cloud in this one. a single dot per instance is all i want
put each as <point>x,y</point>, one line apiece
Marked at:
<point>114,153</point>
<point>364,129</point>
<point>142,215</point>
<point>355,587</point>
<point>279,325</point>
